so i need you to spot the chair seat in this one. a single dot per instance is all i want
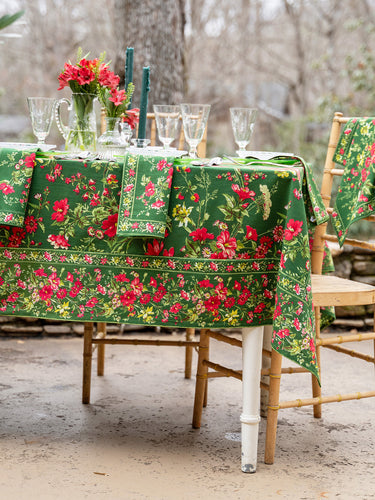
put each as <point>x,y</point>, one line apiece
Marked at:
<point>334,291</point>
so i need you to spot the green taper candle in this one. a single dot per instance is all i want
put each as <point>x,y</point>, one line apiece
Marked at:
<point>143,105</point>
<point>129,69</point>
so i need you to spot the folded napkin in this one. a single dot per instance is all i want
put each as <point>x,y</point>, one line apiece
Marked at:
<point>16,170</point>
<point>144,198</point>
<point>356,194</point>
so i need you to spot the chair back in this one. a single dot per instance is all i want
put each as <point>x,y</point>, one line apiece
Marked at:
<point>332,170</point>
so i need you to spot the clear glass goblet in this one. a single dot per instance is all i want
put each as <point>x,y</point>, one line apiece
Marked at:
<point>166,117</point>
<point>243,121</point>
<point>41,112</point>
<point>194,119</point>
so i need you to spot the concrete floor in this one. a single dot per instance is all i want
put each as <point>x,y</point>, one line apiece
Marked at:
<point>135,441</point>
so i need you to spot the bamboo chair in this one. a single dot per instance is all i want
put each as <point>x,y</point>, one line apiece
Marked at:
<point>328,290</point>
<point>101,339</point>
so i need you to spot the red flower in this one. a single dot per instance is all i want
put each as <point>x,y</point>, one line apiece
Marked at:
<point>15,239</point>
<point>229,302</point>
<point>293,228</point>
<point>13,297</point>
<point>117,96</point>
<point>92,302</point>
<point>175,308</point>
<point>278,233</point>
<point>30,161</point>
<point>212,303</point>
<point>60,208</point>
<point>227,245</point>
<point>243,193</point>
<point>251,233</point>
<point>61,294</point>
<point>132,117</point>
<point>277,311</point>
<point>85,75</point>
<point>69,73</point>
<point>155,248</point>
<point>77,287</point>
<point>109,225</point>
<point>158,204</point>
<point>128,298</point>
<point>161,164</point>
<point>150,189</point>
<point>31,224</point>
<point>205,284</point>
<point>58,241</point>
<point>121,277</point>
<point>107,78</point>
<point>145,298</point>
<point>201,235</point>
<point>283,333</point>
<point>46,292</point>
<point>6,188</point>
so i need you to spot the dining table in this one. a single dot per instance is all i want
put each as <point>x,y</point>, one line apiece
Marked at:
<point>162,240</point>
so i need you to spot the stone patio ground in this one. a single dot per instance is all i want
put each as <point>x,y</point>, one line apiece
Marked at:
<point>135,441</point>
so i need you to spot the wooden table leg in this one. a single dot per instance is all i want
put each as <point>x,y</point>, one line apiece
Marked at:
<point>87,360</point>
<point>252,341</point>
<point>266,364</point>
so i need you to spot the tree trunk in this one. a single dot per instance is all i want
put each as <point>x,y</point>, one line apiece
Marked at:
<point>155,29</point>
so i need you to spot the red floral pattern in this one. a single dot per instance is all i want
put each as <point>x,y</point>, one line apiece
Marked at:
<point>16,173</point>
<point>222,263</point>
<point>356,193</point>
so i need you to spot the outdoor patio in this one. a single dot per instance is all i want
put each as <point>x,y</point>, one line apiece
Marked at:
<point>135,440</point>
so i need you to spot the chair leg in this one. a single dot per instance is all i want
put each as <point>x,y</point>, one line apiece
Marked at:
<point>87,361</point>
<point>316,389</point>
<point>201,378</point>
<point>266,364</point>
<point>373,327</point>
<point>189,352</point>
<point>102,331</point>
<point>273,407</point>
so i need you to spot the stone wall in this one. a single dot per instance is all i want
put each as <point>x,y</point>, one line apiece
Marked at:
<point>359,265</point>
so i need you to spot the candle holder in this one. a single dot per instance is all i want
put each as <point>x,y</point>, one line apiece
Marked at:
<point>141,143</point>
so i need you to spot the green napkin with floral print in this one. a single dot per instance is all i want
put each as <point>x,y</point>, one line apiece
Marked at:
<point>16,170</point>
<point>144,199</point>
<point>356,194</point>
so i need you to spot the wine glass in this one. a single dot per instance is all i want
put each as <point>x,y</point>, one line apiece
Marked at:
<point>41,111</point>
<point>194,119</point>
<point>166,117</point>
<point>243,121</point>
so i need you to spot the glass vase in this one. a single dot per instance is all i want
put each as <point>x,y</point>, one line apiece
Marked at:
<point>80,134</point>
<point>110,143</point>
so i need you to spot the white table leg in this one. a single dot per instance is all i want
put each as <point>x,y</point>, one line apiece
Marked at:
<point>252,340</point>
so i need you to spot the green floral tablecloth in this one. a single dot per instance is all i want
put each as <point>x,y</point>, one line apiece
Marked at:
<point>235,252</point>
<point>356,194</point>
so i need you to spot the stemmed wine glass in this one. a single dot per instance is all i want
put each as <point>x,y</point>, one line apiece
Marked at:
<point>41,111</point>
<point>194,119</point>
<point>243,121</point>
<point>166,117</point>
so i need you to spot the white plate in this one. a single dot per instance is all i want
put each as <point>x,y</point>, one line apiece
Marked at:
<point>156,151</point>
<point>266,155</point>
<point>27,145</point>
